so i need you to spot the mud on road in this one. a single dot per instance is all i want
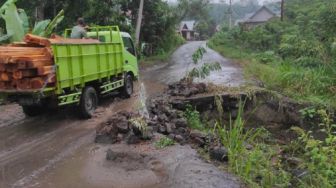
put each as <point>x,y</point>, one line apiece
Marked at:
<point>31,147</point>
<point>57,149</point>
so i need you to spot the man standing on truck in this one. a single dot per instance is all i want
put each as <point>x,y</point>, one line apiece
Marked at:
<point>79,31</point>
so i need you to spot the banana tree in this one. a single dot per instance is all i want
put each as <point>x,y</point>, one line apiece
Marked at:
<point>17,23</point>
<point>14,24</point>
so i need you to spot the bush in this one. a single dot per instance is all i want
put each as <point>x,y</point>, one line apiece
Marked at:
<point>193,118</point>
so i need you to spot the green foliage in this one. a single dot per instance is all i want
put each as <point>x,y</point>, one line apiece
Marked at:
<point>159,19</point>
<point>164,142</point>
<point>205,70</point>
<point>193,118</point>
<point>14,25</point>
<point>262,165</point>
<point>25,20</point>
<point>17,23</point>
<point>308,112</point>
<point>295,57</point>
<point>40,27</point>
<point>255,166</point>
<point>318,155</point>
<point>198,55</point>
<point>53,24</point>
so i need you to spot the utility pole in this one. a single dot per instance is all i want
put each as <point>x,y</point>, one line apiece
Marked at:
<point>138,26</point>
<point>282,9</point>
<point>230,14</point>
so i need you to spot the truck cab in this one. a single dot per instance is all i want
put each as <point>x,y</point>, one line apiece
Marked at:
<point>130,54</point>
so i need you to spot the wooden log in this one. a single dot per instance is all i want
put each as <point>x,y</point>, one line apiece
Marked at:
<point>4,76</point>
<point>3,85</point>
<point>13,83</point>
<point>22,65</point>
<point>23,44</point>
<point>37,83</point>
<point>4,59</point>
<point>21,53</point>
<point>10,68</point>
<point>45,70</point>
<point>22,50</point>
<point>33,39</point>
<point>39,63</point>
<point>2,67</point>
<point>6,85</point>
<point>17,75</point>
<point>23,84</point>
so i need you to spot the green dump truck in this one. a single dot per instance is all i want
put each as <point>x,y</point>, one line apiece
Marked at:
<point>84,72</point>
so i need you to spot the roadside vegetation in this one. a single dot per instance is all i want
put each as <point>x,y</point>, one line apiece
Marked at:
<point>295,57</point>
<point>164,142</point>
<point>260,160</point>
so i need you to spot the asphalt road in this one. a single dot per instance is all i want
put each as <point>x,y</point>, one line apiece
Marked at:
<point>181,63</point>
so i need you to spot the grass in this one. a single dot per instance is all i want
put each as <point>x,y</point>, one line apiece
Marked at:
<point>313,85</point>
<point>164,142</point>
<point>266,164</point>
<point>255,166</point>
<point>162,57</point>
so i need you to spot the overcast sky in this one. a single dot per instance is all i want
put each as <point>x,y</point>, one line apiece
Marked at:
<point>217,1</point>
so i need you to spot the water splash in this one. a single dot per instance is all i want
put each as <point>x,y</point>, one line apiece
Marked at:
<point>143,98</point>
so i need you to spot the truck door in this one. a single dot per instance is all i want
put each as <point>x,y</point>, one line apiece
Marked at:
<point>130,56</point>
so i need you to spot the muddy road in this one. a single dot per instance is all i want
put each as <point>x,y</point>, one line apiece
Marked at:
<point>57,149</point>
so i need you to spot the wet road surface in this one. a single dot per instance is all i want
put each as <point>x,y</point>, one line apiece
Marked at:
<point>181,63</point>
<point>57,149</point>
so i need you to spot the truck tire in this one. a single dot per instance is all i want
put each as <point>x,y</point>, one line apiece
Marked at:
<point>127,90</point>
<point>33,110</point>
<point>88,103</point>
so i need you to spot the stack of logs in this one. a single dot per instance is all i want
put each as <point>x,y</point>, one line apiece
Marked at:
<point>27,66</point>
<point>30,65</point>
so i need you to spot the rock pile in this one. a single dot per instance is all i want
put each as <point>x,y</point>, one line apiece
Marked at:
<point>186,88</point>
<point>123,126</point>
<point>164,118</point>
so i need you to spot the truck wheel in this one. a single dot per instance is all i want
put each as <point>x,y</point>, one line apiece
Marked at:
<point>32,110</point>
<point>88,103</point>
<point>127,90</point>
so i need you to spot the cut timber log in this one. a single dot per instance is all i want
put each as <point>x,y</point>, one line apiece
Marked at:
<point>2,67</point>
<point>46,70</point>
<point>18,75</point>
<point>23,84</point>
<point>3,85</point>
<point>33,39</point>
<point>21,65</point>
<point>38,63</point>
<point>4,76</point>
<point>10,68</point>
<point>18,51</point>
<point>39,82</point>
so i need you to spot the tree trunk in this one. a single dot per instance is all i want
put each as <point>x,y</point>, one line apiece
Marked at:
<point>282,9</point>
<point>138,26</point>
<point>39,11</point>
